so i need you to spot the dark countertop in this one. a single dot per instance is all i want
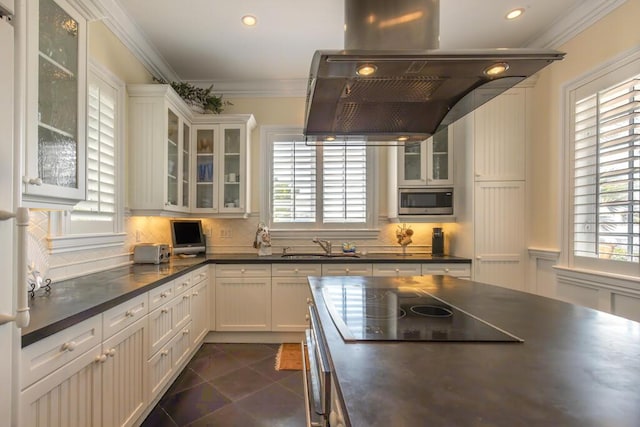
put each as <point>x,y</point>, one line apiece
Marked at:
<point>74,300</point>
<point>576,367</point>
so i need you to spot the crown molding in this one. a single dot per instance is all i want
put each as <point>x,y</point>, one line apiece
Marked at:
<point>282,88</point>
<point>570,25</point>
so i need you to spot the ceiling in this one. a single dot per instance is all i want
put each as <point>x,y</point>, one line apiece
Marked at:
<point>204,42</point>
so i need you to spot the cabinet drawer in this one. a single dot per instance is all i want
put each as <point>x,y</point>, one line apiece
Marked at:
<point>457,270</point>
<point>239,270</point>
<point>45,356</point>
<point>199,275</point>
<point>181,310</point>
<point>294,270</point>
<point>347,269</point>
<point>182,283</point>
<point>116,319</point>
<point>181,344</point>
<point>161,294</point>
<point>160,328</point>
<point>160,369</point>
<point>397,270</point>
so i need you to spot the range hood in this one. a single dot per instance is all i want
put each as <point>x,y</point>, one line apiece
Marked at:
<point>412,89</point>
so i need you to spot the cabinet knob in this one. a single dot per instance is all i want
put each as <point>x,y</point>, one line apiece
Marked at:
<point>309,301</point>
<point>163,295</point>
<point>479,258</point>
<point>164,353</point>
<point>195,294</point>
<point>164,310</point>
<point>185,283</point>
<point>69,346</point>
<point>129,313</point>
<point>446,270</point>
<point>397,270</point>
<point>185,332</point>
<point>296,270</point>
<point>306,317</point>
<point>101,358</point>
<point>242,270</point>
<point>346,270</point>
<point>111,352</point>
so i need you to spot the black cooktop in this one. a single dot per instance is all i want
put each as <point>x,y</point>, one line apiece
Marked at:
<point>404,314</point>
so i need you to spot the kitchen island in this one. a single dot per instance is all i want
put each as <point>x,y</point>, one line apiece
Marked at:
<point>576,366</point>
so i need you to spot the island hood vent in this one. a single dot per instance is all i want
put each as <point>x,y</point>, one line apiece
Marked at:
<point>413,89</point>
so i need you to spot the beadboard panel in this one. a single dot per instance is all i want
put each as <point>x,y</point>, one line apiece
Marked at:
<point>500,132</point>
<point>500,234</point>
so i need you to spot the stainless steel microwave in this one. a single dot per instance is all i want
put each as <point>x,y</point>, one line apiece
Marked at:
<point>425,201</point>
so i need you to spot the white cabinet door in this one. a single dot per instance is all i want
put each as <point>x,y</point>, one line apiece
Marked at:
<point>243,304</point>
<point>55,170</point>
<point>124,375</point>
<point>500,138</point>
<point>199,312</point>
<point>160,328</point>
<point>412,164</point>
<point>71,396</point>
<point>440,159</point>
<point>499,240</point>
<point>289,308</point>
<point>397,270</point>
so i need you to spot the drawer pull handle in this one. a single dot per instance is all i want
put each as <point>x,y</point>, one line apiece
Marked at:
<point>446,270</point>
<point>164,311</point>
<point>101,358</point>
<point>195,294</point>
<point>164,353</point>
<point>69,346</point>
<point>309,301</point>
<point>397,270</point>
<point>111,352</point>
<point>129,313</point>
<point>163,295</point>
<point>296,270</point>
<point>242,270</point>
<point>185,332</point>
<point>306,317</point>
<point>185,297</point>
<point>346,270</point>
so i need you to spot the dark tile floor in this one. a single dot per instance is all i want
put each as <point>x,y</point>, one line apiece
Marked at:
<point>232,385</point>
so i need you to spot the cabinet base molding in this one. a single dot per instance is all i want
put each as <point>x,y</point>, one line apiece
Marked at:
<point>253,337</point>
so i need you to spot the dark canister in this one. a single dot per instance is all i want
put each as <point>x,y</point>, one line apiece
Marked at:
<point>437,241</point>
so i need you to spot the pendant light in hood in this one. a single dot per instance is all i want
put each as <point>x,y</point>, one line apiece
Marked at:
<point>412,89</point>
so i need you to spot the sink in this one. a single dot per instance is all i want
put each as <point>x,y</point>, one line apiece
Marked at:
<point>296,255</point>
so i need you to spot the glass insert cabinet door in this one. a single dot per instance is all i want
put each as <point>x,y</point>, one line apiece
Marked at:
<point>185,164</point>
<point>173,123</point>
<point>205,174</point>
<point>232,156</point>
<point>440,159</point>
<point>56,61</point>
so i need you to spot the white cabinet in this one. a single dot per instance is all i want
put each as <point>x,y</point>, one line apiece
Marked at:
<point>221,171</point>
<point>56,64</point>
<point>199,313</point>
<point>449,269</point>
<point>159,160</point>
<point>397,270</point>
<point>491,203</point>
<point>243,297</point>
<point>289,294</point>
<point>426,163</point>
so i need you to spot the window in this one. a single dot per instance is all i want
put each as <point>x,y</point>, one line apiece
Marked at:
<point>97,222</point>
<point>605,137</point>
<point>318,187</point>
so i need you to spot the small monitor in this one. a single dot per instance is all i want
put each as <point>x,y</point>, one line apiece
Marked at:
<point>187,236</point>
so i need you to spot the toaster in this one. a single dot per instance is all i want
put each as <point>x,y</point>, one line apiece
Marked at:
<point>151,253</point>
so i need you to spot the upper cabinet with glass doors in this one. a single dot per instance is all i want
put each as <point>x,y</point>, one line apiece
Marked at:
<point>56,63</point>
<point>426,163</point>
<point>159,150</point>
<point>221,177</point>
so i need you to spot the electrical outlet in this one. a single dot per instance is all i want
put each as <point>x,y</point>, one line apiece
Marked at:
<point>226,233</point>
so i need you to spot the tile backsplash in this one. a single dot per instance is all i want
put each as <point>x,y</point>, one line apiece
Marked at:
<point>223,236</point>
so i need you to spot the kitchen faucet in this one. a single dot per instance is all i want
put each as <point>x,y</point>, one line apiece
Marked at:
<point>324,244</point>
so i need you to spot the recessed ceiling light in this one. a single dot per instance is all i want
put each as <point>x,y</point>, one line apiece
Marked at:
<point>366,70</point>
<point>249,20</point>
<point>496,69</point>
<point>515,13</point>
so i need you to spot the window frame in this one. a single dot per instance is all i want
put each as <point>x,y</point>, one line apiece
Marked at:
<point>615,71</point>
<point>61,235</point>
<point>304,231</point>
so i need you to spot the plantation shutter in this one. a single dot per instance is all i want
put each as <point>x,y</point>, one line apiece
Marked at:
<point>293,182</point>
<point>101,118</point>
<point>607,173</point>
<point>344,183</point>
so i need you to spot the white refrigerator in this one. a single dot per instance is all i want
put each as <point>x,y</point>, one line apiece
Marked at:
<point>9,332</point>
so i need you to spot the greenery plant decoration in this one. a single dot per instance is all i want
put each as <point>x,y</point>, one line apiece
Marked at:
<point>197,96</point>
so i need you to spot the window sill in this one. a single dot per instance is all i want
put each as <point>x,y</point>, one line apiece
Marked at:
<point>598,279</point>
<point>83,242</point>
<point>339,235</point>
